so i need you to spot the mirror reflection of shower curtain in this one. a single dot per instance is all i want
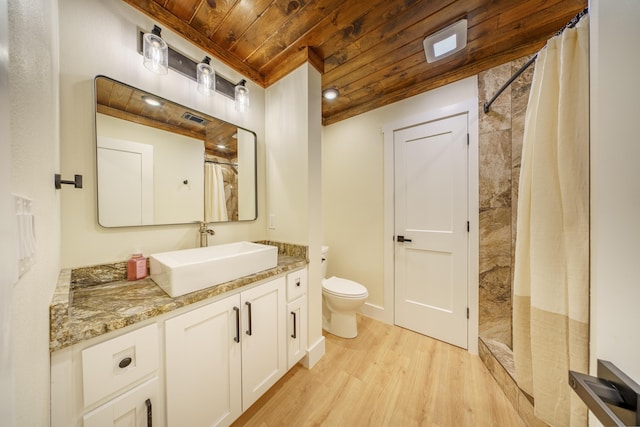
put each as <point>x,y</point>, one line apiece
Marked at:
<point>215,206</point>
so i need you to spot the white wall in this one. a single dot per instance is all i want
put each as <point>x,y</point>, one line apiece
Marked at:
<point>100,37</point>
<point>8,266</point>
<point>353,179</point>
<point>293,135</point>
<point>615,184</point>
<point>33,82</point>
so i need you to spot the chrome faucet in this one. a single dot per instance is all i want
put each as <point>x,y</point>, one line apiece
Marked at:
<point>204,234</point>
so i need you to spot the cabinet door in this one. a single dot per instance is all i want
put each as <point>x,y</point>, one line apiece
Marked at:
<point>296,331</point>
<point>136,408</point>
<point>203,365</point>
<point>264,343</point>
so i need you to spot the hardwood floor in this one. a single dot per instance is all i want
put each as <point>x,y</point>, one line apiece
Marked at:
<point>387,376</point>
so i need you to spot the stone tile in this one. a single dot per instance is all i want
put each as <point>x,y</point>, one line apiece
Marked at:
<point>514,216</point>
<point>495,238</point>
<point>503,354</point>
<point>517,136</point>
<point>495,166</point>
<point>499,117</point>
<point>525,410</point>
<point>491,80</point>
<point>495,308</point>
<point>526,77</point>
<point>503,379</point>
<point>497,329</point>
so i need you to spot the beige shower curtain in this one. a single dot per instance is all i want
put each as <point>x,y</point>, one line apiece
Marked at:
<point>215,204</point>
<point>551,277</point>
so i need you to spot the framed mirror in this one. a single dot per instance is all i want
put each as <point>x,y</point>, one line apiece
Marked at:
<point>159,162</point>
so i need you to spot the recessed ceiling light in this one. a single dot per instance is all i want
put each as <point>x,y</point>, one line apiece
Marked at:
<point>330,93</point>
<point>154,102</point>
<point>446,41</point>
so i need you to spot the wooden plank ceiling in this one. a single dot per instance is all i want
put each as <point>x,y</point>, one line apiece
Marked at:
<point>370,50</point>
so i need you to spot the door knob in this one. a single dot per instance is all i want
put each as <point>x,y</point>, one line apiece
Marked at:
<point>403,239</point>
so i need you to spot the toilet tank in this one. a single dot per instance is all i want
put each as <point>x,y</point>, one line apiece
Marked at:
<point>325,252</point>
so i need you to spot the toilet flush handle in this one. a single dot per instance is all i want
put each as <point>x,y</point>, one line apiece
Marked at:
<point>403,239</point>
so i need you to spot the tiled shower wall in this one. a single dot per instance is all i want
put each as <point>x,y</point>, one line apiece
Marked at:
<point>501,132</point>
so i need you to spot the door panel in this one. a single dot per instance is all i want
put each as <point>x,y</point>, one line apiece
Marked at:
<point>431,180</point>
<point>203,374</point>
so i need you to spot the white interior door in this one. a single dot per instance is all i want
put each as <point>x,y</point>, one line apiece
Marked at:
<point>431,228</point>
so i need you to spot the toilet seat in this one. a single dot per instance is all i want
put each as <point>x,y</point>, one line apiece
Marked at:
<point>344,288</point>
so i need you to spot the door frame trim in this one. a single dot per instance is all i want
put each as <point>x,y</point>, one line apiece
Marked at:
<point>470,108</point>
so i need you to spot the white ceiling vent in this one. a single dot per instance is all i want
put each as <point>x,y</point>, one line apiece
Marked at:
<point>446,41</point>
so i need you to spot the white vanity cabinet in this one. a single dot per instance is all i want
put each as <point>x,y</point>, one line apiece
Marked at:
<point>220,358</point>
<point>201,365</point>
<point>297,316</point>
<point>113,382</point>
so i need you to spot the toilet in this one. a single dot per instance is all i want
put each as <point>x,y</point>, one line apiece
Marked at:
<point>341,298</point>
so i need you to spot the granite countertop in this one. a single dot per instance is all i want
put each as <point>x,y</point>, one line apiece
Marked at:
<point>84,307</point>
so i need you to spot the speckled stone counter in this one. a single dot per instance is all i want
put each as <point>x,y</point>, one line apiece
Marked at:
<point>92,301</point>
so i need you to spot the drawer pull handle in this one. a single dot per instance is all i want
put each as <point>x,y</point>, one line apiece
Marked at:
<point>298,282</point>
<point>294,335</point>
<point>125,362</point>
<point>237,337</point>
<point>149,413</point>
<point>250,330</point>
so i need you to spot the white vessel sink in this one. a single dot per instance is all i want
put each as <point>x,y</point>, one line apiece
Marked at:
<point>189,270</point>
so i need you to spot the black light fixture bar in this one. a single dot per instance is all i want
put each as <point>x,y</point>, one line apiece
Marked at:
<point>186,66</point>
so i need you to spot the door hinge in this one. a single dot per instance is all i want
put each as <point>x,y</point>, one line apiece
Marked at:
<point>467,312</point>
<point>468,227</point>
<point>467,139</point>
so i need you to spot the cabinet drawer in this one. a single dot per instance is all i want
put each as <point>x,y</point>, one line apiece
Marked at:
<point>296,284</point>
<point>115,364</point>
<point>137,408</point>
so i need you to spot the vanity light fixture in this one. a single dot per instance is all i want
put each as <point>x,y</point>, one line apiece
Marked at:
<point>200,72</point>
<point>446,42</point>
<point>205,76</point>
<point>155,52</point>
<point>330,93</point>
<point>242,96</point>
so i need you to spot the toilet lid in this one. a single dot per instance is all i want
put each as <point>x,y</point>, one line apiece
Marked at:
<point>344,288</point>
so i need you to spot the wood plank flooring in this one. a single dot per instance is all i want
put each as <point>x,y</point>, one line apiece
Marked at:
<point>387,376</point>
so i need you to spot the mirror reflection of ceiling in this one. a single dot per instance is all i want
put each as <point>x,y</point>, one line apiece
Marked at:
<point>125,102</point>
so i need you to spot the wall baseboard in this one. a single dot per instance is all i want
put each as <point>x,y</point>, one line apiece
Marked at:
<point>314,354</point>
<point>377,312</point>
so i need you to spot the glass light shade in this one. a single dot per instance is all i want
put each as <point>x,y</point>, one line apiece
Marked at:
<point>206,78</point>
<point>156,54</point>
<point>242,98</point>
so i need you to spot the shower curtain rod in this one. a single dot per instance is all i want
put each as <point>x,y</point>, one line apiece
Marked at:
<point>517,74</point>
<point>221,163</point>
